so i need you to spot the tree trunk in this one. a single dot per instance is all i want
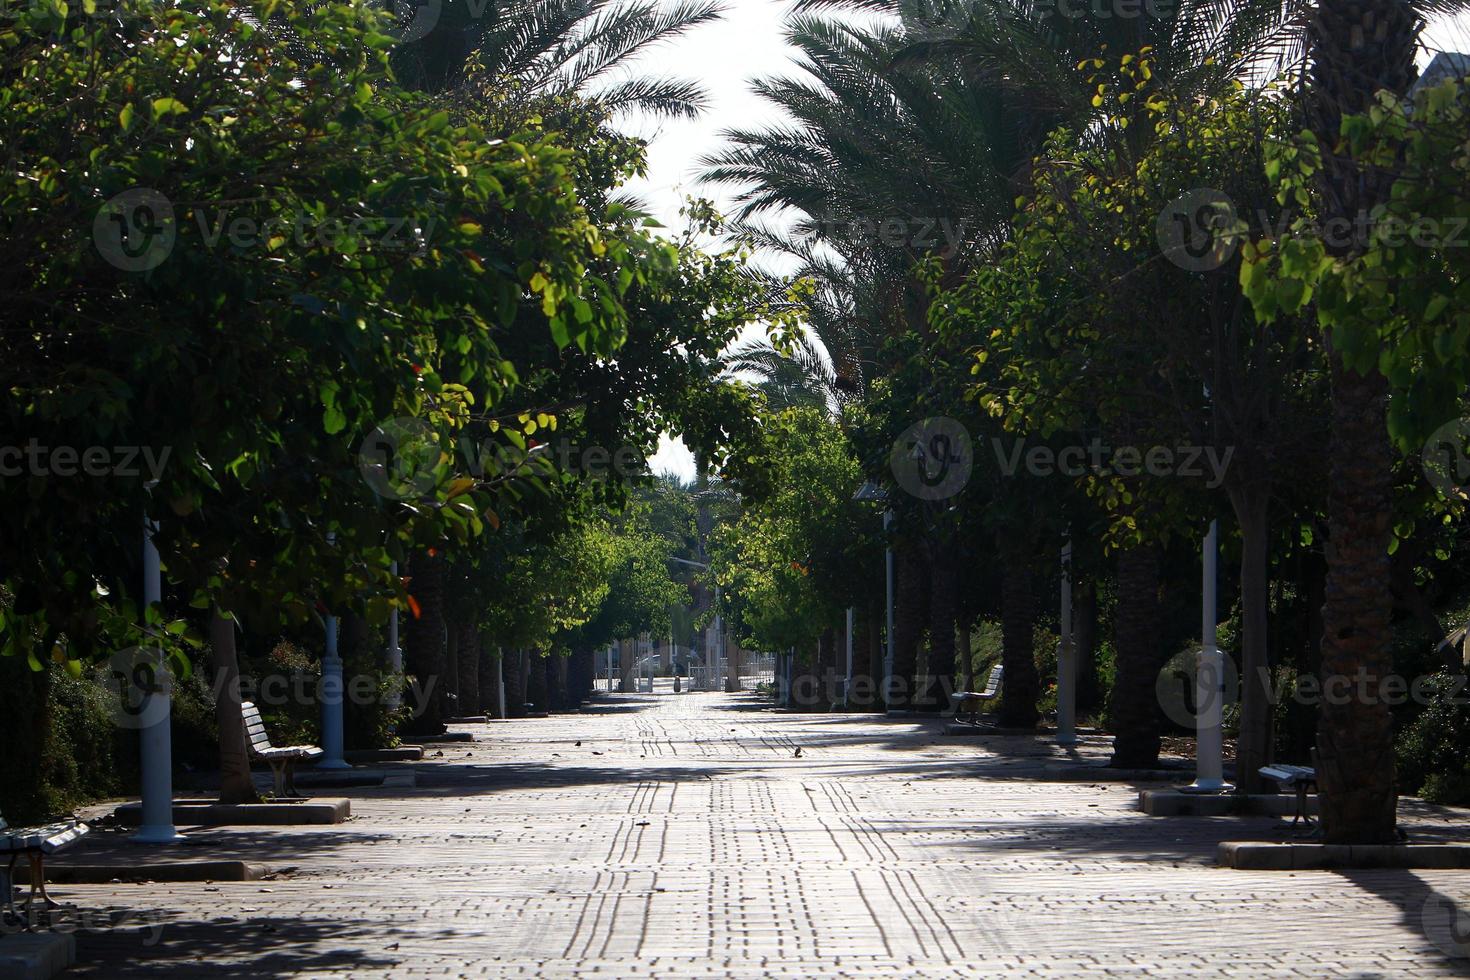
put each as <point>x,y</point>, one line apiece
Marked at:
<point>1133,709</point>
<point>1021,688</point>
<point>909,614</point>
<point>875,641</point>
<point>943,602</point>
<point>1254,743</point>
<point>1355,50</point>
<point>966,654</point>
<point>424,657</point>
<point>1084,622</point>
<point>452,706</point>
<point>732,671</point>
<point>1355,751</point>
<point>235,786</point>
<point>514,666</point>
<point>468,662</point>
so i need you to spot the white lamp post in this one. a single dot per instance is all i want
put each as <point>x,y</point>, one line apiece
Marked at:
<point>1067,660</point>
<point>331,696</point>
<point>155,738</point>
<point>1209,682</point>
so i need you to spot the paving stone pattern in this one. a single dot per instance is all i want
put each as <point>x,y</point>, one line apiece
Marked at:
<point>683,837</point>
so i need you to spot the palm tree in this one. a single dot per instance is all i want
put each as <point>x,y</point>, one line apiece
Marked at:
<point>1357,49</point>
<point>801,376</point>
<point>548,49</point>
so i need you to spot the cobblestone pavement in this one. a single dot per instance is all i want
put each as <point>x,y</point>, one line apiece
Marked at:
<point>681,835</point>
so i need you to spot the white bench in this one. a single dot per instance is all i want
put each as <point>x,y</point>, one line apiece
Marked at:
<point>35,843</point>
<point>971,702</point>
<point>282,760</point>
<point>1298,778</point>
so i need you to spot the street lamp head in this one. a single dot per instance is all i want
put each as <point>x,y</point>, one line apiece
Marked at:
<point>870,492</point>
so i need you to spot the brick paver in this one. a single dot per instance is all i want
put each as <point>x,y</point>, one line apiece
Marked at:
<point>684,837</point>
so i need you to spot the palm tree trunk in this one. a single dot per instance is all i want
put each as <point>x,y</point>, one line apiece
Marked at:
<point>1357,48</point>
<point>1022,686</point>
<point>424,656</point>
<point>468,663</point>
<point>908,623</point>
<point>1355,752</point>
<point>1133,709</point>
<point>1254,744</point>
<point>943,603</point>
<point>732,671</point>
<point>1084,617</point>
<point>452,707</point>
<point>236,786</point>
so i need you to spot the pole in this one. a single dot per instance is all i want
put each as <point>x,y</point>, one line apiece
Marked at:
<point>719,672</point>
<point>888,654</point>
<point>1067,660</point>
<point>847,687</point>
<point>1209,681</point>
<point>395,653</point>
<point>504,711</point>
<point>156,740</point>
<point>331,695</point>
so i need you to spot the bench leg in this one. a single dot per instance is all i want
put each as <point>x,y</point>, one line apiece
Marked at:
<point>290,768</point>
<point>7,882</point>
<point>38,883</point>
<point>1301,806</point>
<point>278,772</point>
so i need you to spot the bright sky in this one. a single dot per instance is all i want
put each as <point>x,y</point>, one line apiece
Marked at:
<point>748,44</point>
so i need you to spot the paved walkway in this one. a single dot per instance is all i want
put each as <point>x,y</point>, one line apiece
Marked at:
<point>682,836</point>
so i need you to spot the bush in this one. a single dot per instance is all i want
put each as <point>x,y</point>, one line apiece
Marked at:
<point>1432,759</point>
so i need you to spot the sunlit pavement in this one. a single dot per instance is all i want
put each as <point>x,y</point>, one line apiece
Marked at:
<point>681,835</point>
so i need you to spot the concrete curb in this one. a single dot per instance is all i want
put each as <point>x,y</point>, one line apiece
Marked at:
<point>36,955</point>
<point>437,739</point>
<point>1256,856</point>
<point>406,753</point>
<point>211,813</point>
<point>1173,803</point>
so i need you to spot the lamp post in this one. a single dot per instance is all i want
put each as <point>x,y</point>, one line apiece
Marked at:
<point>870,491</point>
<point>1209,682</point>
<point>156,740</point>
<point>332,685</point>
<point>1067,660</point>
